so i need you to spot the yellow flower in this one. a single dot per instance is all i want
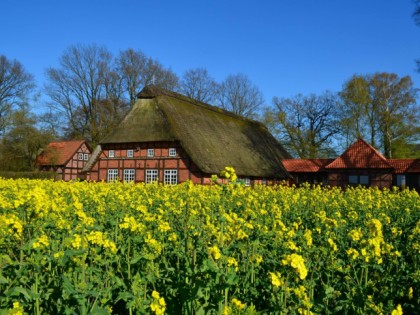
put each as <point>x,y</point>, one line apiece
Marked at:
<point>41,242</point>
<point>16,310</point>
<point>158,305</point>
<point>238,304</point>
<point>298,263</point>
<point>77,241</point>
<point>355,235</point>
<point>308,237</point>
<point>232,263</point>
<point>215,252</point>
<point>258,259</point>
<point>333,244</point>
<point>397,311</point>
<point>410,293</point>
<point>352,253</point>
<point>276,280</point>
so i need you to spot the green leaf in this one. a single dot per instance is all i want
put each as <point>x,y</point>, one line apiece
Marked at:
<point>16,291</point>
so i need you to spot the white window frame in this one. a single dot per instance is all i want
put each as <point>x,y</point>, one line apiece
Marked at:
<point>86,157</point>
<point>151,175</point>
<point>170,177</point>
<point>129,175</point>
<point>130,153</point>
<point>172,152</point>
<point>150,152</point>
<point>80,157</point>
<point>111,153</point>
<point>247,181</point>
<point>113,175</point>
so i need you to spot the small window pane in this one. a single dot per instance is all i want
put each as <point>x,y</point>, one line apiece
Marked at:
<point>172,152</point>
<point>80,156</point>
<point>85,156</point>
<point>113,175</point>
<point>130,153</point>
<point>401,180</point>
<point>129,175</point>
<point>364,180</point>
<point>151,176</point>
<point>150,152</point>
<point>111,153</point>
<point>353,179</point>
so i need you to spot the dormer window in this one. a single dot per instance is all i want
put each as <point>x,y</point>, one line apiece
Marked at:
<point>150,152</point>
<point>172,152</point>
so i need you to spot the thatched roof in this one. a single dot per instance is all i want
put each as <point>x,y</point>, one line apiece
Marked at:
<point>213,138</point>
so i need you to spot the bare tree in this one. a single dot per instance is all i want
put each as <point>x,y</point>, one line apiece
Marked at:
<point>306,124</point>
<point>199,85</point>
<point>81,87</point>
<point>137,71</point>
<point>15,86</point>
<point>240,96</point>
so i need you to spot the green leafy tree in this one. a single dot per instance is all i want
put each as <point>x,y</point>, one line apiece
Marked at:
<point>381,107</point>
<point>22,141</point>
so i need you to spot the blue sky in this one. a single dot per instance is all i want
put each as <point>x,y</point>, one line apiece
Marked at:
<point>285,47</point>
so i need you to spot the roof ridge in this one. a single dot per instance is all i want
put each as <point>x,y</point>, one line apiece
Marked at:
<point>347,154</point>
<point>152,91</point>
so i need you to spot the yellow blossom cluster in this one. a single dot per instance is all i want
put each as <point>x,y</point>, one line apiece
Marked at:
<point>298,263</point>
<point>158,305</point>
<point>207,248</point>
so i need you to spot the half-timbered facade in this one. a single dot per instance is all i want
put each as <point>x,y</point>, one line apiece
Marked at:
<point>360,164</point>
<point>66,158</point>
<point>169,138</point>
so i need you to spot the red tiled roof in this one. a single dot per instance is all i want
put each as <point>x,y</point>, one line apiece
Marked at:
<point>58,153</point>
<point>305,165</point>
<point>405,165</point>
<point>360,155</point>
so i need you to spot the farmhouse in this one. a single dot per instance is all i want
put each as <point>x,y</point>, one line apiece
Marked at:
<point>360,164</point>
<point>66,158</point>
<point>170,138</point>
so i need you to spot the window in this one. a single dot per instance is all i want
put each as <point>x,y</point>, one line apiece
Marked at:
<point>264,181</point>
<point>81,156</point>
<point>113,175</point>
<point>401,181</point>
<point>353,180</point>
<point>111,153</point>
<point>364,180</point>
<point>130,153</point>
<point>129,175</point>
<point>85,156</point>
<point>172,152</point>
<point>150,152</point>
<point>247,181</point>
<point>359,180</point>
<point>151,176</point>
<point>170,177</point>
